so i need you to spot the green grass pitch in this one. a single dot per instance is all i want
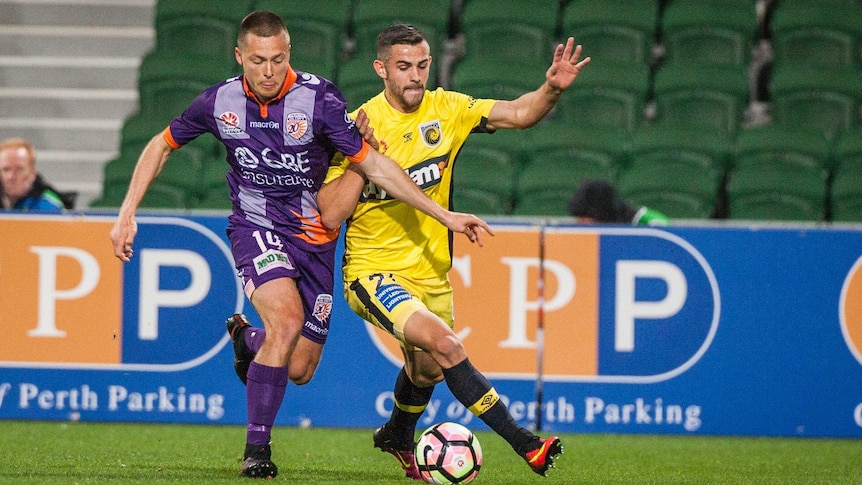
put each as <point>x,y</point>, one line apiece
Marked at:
<point>94,453</point>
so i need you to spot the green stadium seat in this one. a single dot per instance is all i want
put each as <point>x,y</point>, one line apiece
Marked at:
<point>492,78</point>
<point>179,179</point>
<point>779,145</point>
<point>561,158</point>
<point>111,198</point>
<point>545,186</point>
<point>613,30</point>
<point>370,17</point>
<point>848,148</point>
<point>168,83</point>
<point>827,32</point>
<point>165,196</point>
<point>485,172</point>
<point>478,201</point>
<point>661,144</point>
<point>359,82</point>
<point>779,173</point>
<point>592,151</point>
<point>116,175</point>
<point>709,31</point>
<point>608,94</point>
<point>773,192</point>
<point>678,189</point>
<point>317,33</point>
<point>846,191</point>
<point>676,170</point>
<point>549,203</point>
<point>509,144</point>
<point>199,27</point>
<point>845,196</point>
<point>118,171</point>
<point>528,27</point>
<point>704,95</point>
<point>138,129</point>
<point>817,97</point>
<point>183,172</point>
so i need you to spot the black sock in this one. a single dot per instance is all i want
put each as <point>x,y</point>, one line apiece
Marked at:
<point>473,390</point>
<point>410,403</point>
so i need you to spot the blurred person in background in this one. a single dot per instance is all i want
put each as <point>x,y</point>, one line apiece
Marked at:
<point>597,201</point>
<point>22,187</point>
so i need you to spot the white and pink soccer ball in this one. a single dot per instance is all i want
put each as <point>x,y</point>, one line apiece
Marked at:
<point>448,453</point>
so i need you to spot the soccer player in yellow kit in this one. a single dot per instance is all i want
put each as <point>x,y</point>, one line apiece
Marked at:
<point>397,258</point>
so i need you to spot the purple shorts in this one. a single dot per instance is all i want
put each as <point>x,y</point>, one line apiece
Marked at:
<point>262,255</point>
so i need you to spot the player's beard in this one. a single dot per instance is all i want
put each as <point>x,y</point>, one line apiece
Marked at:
<point>411,99</point>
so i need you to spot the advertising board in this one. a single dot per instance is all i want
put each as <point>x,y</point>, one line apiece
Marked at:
<point>680,330</point>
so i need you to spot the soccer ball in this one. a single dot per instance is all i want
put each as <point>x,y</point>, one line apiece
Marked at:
<point>448,453</point>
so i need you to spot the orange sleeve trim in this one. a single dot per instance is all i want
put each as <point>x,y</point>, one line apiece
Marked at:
<point>361,154</point>
<point>170,138</point>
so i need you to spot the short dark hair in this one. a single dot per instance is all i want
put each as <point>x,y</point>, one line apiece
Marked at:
<point>397,34</point>
<point>262,24</point>
<point>597,199</point>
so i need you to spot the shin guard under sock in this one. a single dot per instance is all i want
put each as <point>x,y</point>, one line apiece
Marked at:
<point>474,391</point>
<point>410,402</point>
<point>264,394</point>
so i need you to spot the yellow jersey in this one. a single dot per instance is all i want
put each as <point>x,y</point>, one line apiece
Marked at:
<point>385,234</point>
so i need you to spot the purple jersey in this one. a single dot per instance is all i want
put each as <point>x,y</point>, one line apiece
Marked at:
<point>278,152</point>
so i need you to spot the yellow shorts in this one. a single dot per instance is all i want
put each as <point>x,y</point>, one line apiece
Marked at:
<point>387,300</point>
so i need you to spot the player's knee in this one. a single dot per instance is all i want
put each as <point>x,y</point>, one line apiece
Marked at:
<point>450,347</point>
<point>301,376</point>
<point>282,336</point>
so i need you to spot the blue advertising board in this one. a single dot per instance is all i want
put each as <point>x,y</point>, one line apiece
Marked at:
<point>741,330</point>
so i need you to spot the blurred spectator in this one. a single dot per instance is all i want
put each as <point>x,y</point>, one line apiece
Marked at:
<point>21,186</point>
<point>596,201</point>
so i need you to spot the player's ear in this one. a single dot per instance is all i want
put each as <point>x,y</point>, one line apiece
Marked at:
<point>380,68</point>
<point>238,55</point>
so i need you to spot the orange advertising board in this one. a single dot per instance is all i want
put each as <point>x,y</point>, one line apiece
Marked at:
<point>60,292</point>
<point>501,339</point>
<point>851,309</point>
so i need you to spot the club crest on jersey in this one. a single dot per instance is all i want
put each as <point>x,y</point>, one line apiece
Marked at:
<point>230,123</point>
<point>296,125</point>
<point>322,307</point>
<point>431,133</point>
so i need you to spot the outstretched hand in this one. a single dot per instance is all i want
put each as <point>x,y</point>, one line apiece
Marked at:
<point>470,225</point>
<point>566,65</point>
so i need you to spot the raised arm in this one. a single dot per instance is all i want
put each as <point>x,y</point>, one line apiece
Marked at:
<point>530,108</point>
<point>149,165</point>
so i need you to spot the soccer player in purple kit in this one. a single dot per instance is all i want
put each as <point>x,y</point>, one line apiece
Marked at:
<point>396,262</point>
<point>281,127</point>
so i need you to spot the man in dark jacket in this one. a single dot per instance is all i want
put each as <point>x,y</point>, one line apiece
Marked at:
<point>21,186</point>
